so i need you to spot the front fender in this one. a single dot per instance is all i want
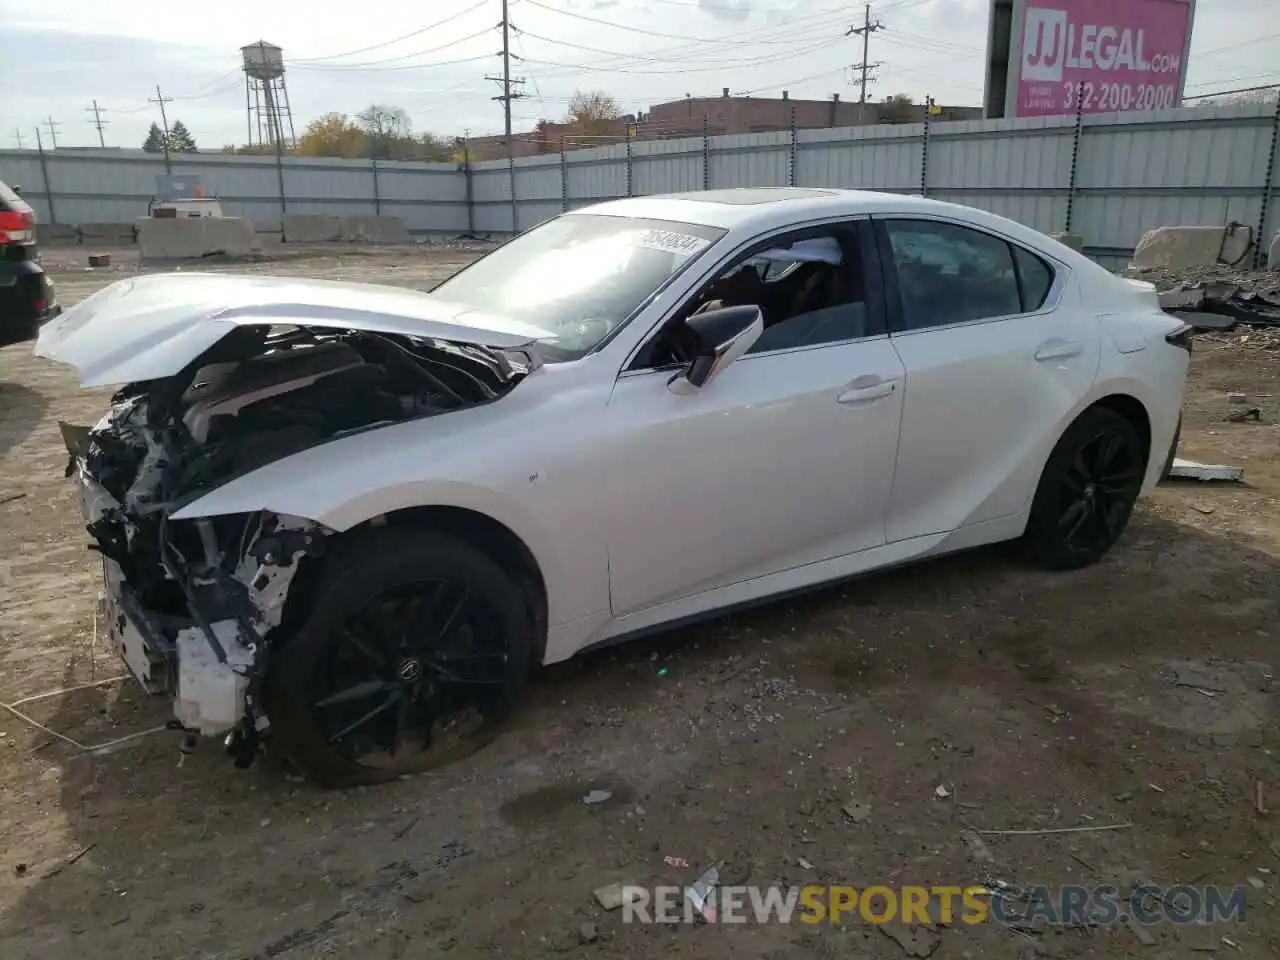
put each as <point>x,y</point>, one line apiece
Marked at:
<point>347,482</point>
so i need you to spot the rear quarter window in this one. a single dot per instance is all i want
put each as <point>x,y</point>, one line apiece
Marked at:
<point>1035,278</point>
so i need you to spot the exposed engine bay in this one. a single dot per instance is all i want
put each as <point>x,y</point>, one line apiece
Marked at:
<point>194,605</point>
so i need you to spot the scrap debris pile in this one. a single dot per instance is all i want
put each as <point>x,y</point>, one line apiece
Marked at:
<point>1219,300</point>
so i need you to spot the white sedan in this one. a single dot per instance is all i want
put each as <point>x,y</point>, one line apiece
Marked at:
<point>352,517</point>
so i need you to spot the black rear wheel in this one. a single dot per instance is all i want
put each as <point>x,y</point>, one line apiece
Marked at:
<point>1087,491</point>
<point>413,653</point>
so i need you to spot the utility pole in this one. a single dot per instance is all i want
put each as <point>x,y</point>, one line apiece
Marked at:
<point>98,122</point>
<point>865,31</point>
<point>161,99</point>
<point>507,95</point>
<point>17,136</point>
<point>53,130</point>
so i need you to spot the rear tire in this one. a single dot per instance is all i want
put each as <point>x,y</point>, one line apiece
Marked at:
<point>415,648</point>
<point>1087,491</point>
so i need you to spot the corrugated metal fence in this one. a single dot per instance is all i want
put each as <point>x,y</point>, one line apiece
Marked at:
<point>1108,177</point>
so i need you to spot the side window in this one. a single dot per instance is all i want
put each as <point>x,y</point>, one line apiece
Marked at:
<point>1035,278</point>
<point>950,274</point>
<point>811,291</point>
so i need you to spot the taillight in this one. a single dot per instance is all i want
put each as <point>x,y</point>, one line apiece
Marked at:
<point>1182,336</point>
<point>16,227</point>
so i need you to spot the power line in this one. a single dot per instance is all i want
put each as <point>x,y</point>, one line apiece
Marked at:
<point>647,33</point>
<point>1215,51</point>
<point>52,126</point>
<point>370,64</point>
<point>392,42</point>
<point>98,122</point>
<point>650,58</point>
<point>753,62</point>
<point>1223,93</point>
<point>865,31</point>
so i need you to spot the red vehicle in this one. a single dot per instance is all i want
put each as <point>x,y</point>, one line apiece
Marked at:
<point>26,293</point>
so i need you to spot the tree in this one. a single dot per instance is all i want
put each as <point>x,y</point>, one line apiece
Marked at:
<point>898,108</point>
<point>1239,99</point>
<point>386,128</point>
<point>155,140</point>
<point>333,135</point>
<point>592,113</point>
<point>436,148</point>
<point>180,139</point>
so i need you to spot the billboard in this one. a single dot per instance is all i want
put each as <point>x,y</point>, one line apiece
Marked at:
<point>1052,57</point>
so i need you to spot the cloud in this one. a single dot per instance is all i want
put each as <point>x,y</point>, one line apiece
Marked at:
<point>731,11</point>
<point>960,15</point>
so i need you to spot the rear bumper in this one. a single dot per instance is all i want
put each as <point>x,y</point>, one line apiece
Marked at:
<point>27,301</point>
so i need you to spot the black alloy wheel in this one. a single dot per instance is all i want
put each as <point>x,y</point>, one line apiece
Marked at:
<point>415,669</point>
<point>413,654</point>
<point>1087,491</point>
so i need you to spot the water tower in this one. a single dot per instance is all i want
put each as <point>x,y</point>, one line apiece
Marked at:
<point>266,97</point>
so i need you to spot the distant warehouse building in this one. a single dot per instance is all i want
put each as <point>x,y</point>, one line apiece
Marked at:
<point>715,116</point>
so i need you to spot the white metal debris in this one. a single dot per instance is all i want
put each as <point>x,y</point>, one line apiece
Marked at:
<point>1191,470</point>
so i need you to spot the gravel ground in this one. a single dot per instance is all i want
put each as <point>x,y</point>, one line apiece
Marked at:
<point>1137,692</point>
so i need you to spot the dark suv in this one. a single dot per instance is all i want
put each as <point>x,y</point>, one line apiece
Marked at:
<point>26,293</point>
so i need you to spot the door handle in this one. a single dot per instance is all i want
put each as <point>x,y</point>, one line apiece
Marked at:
<point>1059,349</point>
<point>867,389</point>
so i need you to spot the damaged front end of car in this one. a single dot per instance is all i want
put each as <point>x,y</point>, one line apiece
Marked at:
<point>195,606</point>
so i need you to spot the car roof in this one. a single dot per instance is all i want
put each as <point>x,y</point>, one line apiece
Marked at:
<point>759,209</point>
<point>764,207</point>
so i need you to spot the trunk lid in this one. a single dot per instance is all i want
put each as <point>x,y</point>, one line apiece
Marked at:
<point>149,327</point>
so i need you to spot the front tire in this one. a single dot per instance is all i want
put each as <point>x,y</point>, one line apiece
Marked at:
<point>1087,491</point>
<point>1173,451</point>
<point>415,648</point>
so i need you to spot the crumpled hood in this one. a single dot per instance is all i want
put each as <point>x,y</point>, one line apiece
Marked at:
<point>148,327</point>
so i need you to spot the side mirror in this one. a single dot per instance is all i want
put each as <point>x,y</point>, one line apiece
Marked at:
<point>721,337</point>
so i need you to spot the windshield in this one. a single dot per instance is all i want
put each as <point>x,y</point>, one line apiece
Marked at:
<point>579,276</point>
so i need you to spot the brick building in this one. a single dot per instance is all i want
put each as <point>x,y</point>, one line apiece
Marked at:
<point>715,116</point>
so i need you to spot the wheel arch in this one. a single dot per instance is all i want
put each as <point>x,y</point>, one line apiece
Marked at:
<point>1120,401</point>
<point>1129,407</point>
<point>492,537</point>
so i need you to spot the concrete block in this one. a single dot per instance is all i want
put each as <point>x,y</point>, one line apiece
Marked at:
<point>311,228</point>
<point>375,230</point>
<point>57,234</point>
<point>1237,245</point>
<point>1273,258</point>
<point>270,225</point>
<point>1073,240</point>
<point>1178,248</point>
<point>107,234</point>
<point>267,243</point>
<point>195,237</point>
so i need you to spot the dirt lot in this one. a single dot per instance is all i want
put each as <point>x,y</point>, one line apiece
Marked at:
<point>1140,691</point>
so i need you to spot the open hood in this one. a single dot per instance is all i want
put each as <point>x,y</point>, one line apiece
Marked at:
<point>149,327</point>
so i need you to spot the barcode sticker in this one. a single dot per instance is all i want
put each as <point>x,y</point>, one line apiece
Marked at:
<point>682,244</point>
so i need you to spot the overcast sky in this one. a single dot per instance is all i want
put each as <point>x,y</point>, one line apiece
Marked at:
<point>56,56</point>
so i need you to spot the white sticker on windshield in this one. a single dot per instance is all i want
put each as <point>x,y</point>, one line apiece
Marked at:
<point>681,244</point>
